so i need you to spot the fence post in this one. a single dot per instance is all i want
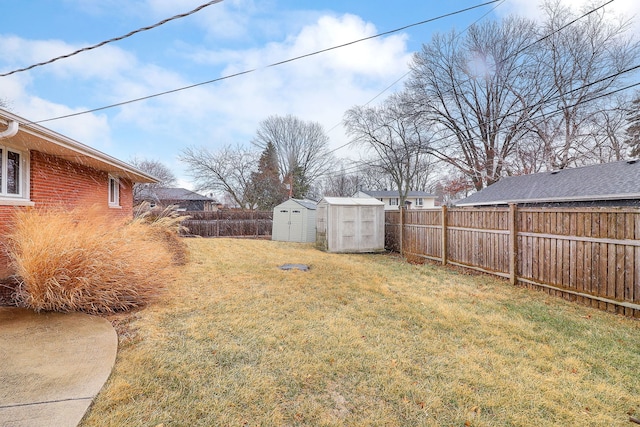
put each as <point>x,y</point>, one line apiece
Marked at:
<point>401,233</point>
<point>513,243</point>
<point>254,220</point>
<point>445,240</point>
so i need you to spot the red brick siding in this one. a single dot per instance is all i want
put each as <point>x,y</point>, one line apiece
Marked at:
<point>59,182</point>
<point>6,212</point>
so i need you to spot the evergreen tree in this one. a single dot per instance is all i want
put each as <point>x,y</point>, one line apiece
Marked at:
<point>300,183</point>
<point>265,182</point>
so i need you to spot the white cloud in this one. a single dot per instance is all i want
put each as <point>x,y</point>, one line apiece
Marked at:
<point>103,63</point>
<point>628,9</point>
<point>89,129</point>
<point>318,88</point>
<point>229,19</point>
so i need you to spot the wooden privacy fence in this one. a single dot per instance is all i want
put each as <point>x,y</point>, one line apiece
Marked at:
<point>229,223</point>
<point>591,255</point>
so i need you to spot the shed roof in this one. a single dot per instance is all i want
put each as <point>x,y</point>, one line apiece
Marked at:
<point>31,136</point>
<point>386,193</point>
<point>305,203</point>
<point>353,201</point>
<point>608,181</point>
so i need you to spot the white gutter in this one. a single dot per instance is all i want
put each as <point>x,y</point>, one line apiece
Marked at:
<point>69,144</point>
<point>12,129</point>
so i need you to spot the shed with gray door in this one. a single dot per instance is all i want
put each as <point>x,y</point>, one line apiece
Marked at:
<point>294,221</point>
<point>348,224</point>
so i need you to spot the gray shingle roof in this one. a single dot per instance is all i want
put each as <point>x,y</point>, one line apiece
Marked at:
<point>306,203</point>
<point>174,194</point>
<point>608,181</point>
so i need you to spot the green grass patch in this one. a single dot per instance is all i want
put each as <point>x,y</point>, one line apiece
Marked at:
<point>362,340</point>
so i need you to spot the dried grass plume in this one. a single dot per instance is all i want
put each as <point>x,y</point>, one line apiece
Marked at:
<point>86,260</point>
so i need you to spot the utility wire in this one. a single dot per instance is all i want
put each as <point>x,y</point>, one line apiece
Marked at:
<point>562,28</point>
<point>270,65</point>
<point>540,103</point>
<point>129,34</point>
<point>405,75</point>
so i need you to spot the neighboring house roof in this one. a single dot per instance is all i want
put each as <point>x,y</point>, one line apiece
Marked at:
<point>31,136</point>
<point>608,181</point>
<point>379,194</point>
<point>165,193</point>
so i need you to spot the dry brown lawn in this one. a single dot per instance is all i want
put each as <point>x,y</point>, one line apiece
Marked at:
<point>362,340</point>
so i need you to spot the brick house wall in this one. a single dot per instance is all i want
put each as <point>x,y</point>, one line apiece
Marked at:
<point>56,182</point>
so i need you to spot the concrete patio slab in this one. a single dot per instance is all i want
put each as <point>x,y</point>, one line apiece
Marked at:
<point>52,365</point>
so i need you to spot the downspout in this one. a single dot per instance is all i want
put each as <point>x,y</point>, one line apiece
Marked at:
<point>12,129</point>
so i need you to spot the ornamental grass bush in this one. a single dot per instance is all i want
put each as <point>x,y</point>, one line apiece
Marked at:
<point>86,260</point>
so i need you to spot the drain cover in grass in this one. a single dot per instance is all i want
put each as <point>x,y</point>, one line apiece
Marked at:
<point>301,267</point>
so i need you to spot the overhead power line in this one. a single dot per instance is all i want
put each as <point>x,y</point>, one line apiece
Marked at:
<point>129,34</point>
<point>563,27</point>
<point>514,54</point>
<point>270,65</point>
<point>398,80</point>
<point>544,101</point>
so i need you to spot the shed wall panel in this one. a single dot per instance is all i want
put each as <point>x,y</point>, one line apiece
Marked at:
<point>293,222</point>
<point>345,226</point>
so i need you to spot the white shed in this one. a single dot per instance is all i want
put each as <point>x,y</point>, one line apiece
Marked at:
<point>294,221</point>
<point>347,224</point>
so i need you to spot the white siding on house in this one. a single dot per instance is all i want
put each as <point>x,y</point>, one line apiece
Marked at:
<point>391,203</point>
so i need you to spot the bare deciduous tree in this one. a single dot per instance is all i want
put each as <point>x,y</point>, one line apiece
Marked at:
<point>342,181</point>
<point>396,138</point>
<point>476,90</point>
<point>155,168</point>
<point>632,132</point>
<point>582,61</point>
<point>607,133</point>
<point>302,149</point>
<point>228,170</point>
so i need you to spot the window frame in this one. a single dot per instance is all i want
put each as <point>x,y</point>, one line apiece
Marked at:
<point>113,191</point>
<point>22,196</point>
<point>394,201</point>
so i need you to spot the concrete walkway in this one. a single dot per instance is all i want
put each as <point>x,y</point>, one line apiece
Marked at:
<point>52,366</point>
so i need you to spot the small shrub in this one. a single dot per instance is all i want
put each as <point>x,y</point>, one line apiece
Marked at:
<point>85,260</point>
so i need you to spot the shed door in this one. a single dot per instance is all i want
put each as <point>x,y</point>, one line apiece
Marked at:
<point>296,232</point>
<point>291,225</point>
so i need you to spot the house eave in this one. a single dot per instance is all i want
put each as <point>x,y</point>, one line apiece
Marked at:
<point>32,136</point>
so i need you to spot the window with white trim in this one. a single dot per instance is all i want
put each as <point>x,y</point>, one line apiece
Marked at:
<point>393,201</point>
<point>114,191</point>
<point>419,201</point>
<point>12,173</point>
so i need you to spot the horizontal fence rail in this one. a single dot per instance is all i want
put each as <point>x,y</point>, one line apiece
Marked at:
<point>590,255</point>
<point>229,223</point>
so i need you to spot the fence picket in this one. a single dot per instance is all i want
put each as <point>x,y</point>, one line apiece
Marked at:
<point>591,255</point>
<point>229,223</point>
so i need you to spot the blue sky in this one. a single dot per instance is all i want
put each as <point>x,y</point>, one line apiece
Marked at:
<point>224,38</point>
